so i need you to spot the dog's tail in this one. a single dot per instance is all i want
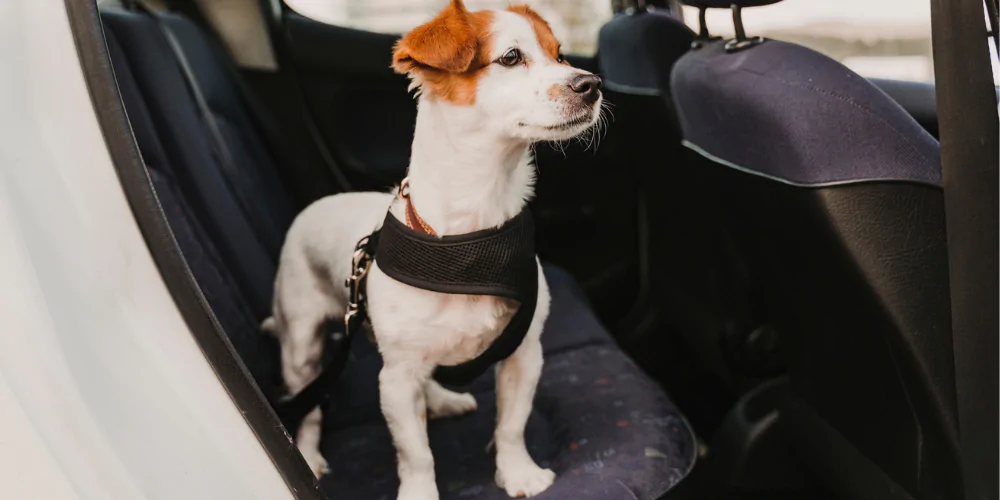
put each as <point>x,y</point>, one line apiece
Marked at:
<point>269,325</point>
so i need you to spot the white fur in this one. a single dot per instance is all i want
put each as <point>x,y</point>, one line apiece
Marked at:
<point>470,169</point>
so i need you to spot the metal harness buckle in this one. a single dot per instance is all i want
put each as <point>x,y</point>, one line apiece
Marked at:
<point>360,264</point>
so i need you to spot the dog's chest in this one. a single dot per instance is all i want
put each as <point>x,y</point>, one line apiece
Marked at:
<point>470,324</point>
<point>442,329</point>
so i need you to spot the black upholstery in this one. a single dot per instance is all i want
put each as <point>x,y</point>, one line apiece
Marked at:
<point>831,192</point>
<point>788,112</point>
<point>917,98</point>
<point>638,50</point>
<point>702,288</point>
<point>599,421</point>
<point>188,152</point>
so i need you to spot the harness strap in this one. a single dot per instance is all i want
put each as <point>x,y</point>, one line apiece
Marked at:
<point>293,410</point>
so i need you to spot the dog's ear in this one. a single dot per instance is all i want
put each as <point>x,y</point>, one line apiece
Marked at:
<point>446,43</point>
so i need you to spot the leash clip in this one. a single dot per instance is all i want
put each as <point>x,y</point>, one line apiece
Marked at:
<point>404,189</point>
<point>360,264</point>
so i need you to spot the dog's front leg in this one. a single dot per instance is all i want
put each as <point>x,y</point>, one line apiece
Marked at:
<point>404,404</point>
<point>517,378</point>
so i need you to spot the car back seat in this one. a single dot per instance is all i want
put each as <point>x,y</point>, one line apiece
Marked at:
<point>598,421</point>
<point>249,241</point>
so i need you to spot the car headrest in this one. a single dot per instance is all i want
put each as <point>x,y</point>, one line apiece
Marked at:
<point>725,4</point>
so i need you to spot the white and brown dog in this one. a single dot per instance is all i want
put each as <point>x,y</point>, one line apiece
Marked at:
<point>490,84</point>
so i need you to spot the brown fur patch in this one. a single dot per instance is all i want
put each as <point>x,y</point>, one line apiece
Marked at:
<point>542,30</point>
<point>554,91</point>
<point>448,54</point>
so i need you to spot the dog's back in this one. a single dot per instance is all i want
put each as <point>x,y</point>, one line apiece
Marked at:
<point>316,256</point>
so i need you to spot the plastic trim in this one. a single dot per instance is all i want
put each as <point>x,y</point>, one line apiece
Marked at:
<point>698,149</point>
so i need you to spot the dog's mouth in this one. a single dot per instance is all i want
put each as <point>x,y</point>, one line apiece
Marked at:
<point>566,125</point>
<point>580,120</point>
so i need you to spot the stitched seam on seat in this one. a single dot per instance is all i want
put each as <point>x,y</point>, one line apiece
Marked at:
<point>868,111</point>
<point>749,171</point>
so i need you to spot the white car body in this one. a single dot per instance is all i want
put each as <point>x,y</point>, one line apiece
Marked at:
<point>104,393</point>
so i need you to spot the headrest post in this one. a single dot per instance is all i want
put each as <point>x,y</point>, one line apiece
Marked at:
<point>741,41</point>
<point>703,24</point>
<point>703,34</point>
<point>741,34</point>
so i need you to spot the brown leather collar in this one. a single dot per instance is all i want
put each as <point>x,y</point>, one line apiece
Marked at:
<point>413,220</point>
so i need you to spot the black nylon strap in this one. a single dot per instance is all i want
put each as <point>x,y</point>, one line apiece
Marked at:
<point>969,130</point>
<point>291,411</point>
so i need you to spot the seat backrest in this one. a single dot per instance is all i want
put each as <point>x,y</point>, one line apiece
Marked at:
<point>638,49</point>
<point>214,276</point>
<point>833,193</point>
<point>248,235</point>
<point>701,288</point>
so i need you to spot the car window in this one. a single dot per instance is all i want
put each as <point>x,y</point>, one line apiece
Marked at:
<point>574,22</point>
<point>875,38</point>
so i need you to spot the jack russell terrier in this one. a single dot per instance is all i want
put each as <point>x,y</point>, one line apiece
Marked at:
<point>489,85</point>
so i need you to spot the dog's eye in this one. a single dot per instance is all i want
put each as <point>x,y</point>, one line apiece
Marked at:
<point>561,59</point>
<point>511,58</point>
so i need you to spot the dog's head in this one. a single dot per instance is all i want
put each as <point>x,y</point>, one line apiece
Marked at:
<point>507,66</point>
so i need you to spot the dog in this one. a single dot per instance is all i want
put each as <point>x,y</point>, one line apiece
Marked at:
<point>489,84</point>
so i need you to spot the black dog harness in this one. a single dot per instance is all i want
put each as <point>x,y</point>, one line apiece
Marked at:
<point>499,262</point>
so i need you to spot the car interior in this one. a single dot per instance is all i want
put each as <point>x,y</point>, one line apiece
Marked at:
<point>749,273</point>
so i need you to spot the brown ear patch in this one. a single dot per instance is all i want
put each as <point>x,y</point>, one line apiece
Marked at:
<point>542,30</point>
<point>447,42</point>
<point>447,55</point>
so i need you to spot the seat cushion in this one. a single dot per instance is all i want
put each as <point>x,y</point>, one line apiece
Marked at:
<point>606,429</point>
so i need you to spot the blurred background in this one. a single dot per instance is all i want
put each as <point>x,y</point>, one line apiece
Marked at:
<point>876,38</point>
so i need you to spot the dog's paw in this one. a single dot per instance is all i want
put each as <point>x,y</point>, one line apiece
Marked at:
<point>316,462</point>
<point>523,478</point>
<point>450,404</point>
<point>418,489</point>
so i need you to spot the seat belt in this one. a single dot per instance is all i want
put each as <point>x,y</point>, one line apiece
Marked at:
<point>967,114</point>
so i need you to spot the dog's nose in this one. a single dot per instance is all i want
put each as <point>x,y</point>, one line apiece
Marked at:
<point>588,86</point>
